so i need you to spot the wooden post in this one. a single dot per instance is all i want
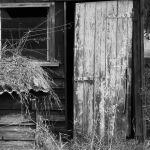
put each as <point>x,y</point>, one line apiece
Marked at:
<point>51,32</point>
<point>142,53</point>
<point>138,66</point>
<point>0,35</point>
<point>65,69</point>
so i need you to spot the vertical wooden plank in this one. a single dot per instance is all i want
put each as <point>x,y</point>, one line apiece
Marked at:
<point>78,67</point>
<point>111,9</point>
<point>111,64</point>
<point>78,107</point>
<point>129,68</point>
<point>89,63</point>
<point>122,54</point>
<point>0,35</point>
<point>50,34</point>
<point>100,66</point>
<point>65,67</point>
<point>138,69</point>
<point>79,40</point>
<point>142,10</point>
<point>123,9</point>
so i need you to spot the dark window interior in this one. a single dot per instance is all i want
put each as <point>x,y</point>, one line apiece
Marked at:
<point>17,22</point>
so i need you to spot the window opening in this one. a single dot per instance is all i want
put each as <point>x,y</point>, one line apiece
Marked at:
<point>17,22</point>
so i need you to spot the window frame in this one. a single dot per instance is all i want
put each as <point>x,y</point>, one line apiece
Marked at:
<point>50,25</point>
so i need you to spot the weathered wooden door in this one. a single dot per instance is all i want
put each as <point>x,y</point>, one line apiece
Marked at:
<point>102,67</point>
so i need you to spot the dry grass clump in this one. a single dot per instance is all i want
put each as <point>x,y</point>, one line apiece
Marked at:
<point>47,141</point>
<point>21,74</point>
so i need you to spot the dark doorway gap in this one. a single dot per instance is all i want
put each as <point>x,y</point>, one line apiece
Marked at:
<point>70,18</point>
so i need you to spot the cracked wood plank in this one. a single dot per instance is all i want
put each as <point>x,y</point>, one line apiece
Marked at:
<point>100,69</point>
<point>78,67</point>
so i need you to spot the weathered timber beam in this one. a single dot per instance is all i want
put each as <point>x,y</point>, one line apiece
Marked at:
<point>138,67</point>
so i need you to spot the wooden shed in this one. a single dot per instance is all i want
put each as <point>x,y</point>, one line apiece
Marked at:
<point>99,69</point>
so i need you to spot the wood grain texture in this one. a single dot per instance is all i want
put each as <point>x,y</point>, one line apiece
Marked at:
<point>142,19</point>
<point>29,4</point>
<point>50,34</point>
<point>0,35</point>
<point>122,58</point>
<point>23,1</point>
<point>51,116</point>
<point>16,127</point>
<point>79,40</point>
<point>110,97</point>
<point>129,70</point>
<point>17,145</point>
<point>111,9</point>
<point>100,69</point>
<point>106,74</point>
<point>17,135</point>
<point>78,67</point>
<point>84,65</point>
<point>89,50</point>
<point>138,74</point>
<point>13,117</point>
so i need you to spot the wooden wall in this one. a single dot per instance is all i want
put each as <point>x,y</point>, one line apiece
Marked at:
<point>22,1</point>
<point>59,72</point>
<point>102,67</point>
<point>54,116</point>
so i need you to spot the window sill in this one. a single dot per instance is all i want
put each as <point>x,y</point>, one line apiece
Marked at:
<point>47,64</point>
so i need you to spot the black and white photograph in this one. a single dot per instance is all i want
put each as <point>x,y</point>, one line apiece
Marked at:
<point>74,74</point>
